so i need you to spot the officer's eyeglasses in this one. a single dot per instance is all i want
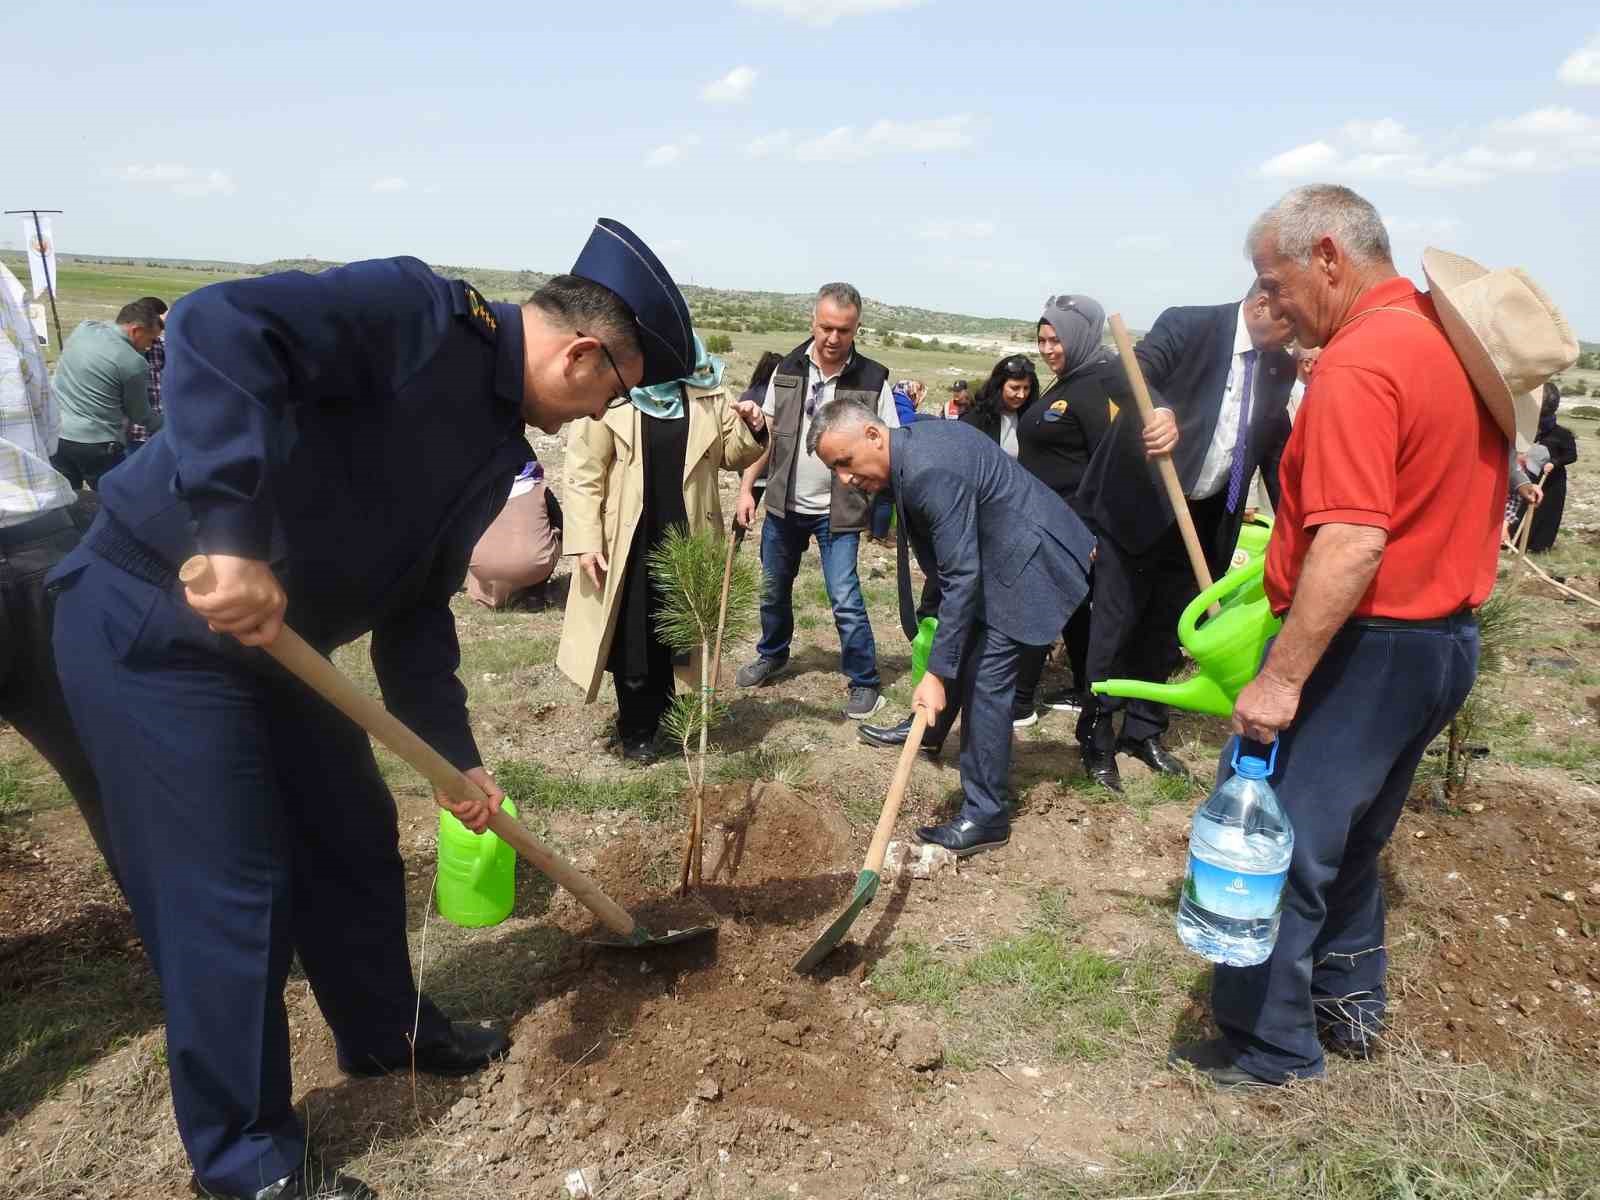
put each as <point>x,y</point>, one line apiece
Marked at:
<point>622,397</point>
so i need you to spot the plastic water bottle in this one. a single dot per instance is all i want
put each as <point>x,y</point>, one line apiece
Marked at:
<point>1239,850</point>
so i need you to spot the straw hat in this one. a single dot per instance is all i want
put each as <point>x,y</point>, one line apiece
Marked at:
<point>1508,334</point>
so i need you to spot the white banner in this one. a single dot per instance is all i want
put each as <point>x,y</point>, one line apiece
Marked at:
<point>41,255</point>
<point>40,329</point>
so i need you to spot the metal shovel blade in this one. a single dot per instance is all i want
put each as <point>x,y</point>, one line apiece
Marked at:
<point>643,939</point>
<point>866,889</point>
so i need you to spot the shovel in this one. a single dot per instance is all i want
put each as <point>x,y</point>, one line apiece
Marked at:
<point>867,881</point>
<point>316,672</point>
<point>1168,472</point>
<point>692,852</point>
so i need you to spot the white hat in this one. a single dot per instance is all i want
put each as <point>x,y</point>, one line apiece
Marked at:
<point>1507,333</point>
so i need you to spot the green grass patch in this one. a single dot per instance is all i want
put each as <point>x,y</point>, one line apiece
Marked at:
<point>1037,994</point>
<point>505,656</point>
<point>653,795</point>
<point>775,763</point>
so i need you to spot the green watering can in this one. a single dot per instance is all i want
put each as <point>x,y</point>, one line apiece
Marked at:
<point>1227,647</point>
<point>922,647</point>
<point>1251,547</point>
<point>477,873</point>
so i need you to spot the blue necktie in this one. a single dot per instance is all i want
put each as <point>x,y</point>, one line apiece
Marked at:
<point>1236,468</point>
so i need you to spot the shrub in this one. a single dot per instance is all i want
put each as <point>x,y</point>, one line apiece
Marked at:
<point>719,343</point>
<point>914,343</point>
<point>1587,411</point>
<point>1572,388</point>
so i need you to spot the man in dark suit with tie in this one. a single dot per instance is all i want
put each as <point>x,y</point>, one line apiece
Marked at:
<point>1012,561</point>
<point>1220,377</point>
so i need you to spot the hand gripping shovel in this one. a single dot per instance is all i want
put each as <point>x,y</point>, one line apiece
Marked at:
<point>867,881</point>
<point>301,661</point>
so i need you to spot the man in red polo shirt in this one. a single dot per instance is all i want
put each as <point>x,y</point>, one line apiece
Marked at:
<point>1393,485</point>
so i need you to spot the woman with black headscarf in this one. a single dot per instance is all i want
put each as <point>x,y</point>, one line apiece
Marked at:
<point>1562,446</point>
<point>1058,437</point>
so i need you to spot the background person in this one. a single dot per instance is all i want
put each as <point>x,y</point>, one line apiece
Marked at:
<point>1012,386</point>
<point>102,384</point>
<point>1221,378</point>
<point>1562,446</point>
<point>1387,539</point>
<point>519,551</point>
<point>960,400</point>
<point>36,532</point>
<point>406,397</point>
<point>632,475</point>
<point>1059,437</point>
<point>805,502</point>
<point>156,356</point>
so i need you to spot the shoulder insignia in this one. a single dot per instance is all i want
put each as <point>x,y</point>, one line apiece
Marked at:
<point>478,313</point>
<point>1060,406</point>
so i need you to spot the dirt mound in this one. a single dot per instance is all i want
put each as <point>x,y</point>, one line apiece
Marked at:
<point>715,1042</point>
<point>1511,891</point>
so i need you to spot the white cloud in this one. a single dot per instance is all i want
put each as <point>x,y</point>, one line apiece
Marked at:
<point>732,88</point>
<point>1554,121</point>
<point>181,180</point>
<point>955,231</point>
<point>1582,66</point>
<point>1383,136</point>
<point>768,144</point>
<point>390,183</point>
<point>849,144</point>
<point>826,12</point>
<point>671,153</point>
<point>1302,160</point>
<point>1483,158</point>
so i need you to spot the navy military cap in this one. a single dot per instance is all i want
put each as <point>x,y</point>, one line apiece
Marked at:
<point>616,257</point>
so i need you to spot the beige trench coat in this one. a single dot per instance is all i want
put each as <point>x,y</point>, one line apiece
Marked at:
<point>604,501</point>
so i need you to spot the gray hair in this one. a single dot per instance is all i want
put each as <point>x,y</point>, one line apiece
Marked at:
<point>838,416</point>
<point>842,294</point>
<point>1318,210</point>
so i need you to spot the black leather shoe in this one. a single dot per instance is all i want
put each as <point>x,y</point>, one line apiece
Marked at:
<point>1153,754</point>
<point>467,1048</point>
<point>310,1182</point>
<point>894,736</point>
<point>1102,768</point>
<point>640,753</point>
<point>1215,1059</point>
<point>964,837</point>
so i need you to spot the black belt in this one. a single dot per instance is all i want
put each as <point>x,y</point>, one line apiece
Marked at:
<point>110,539</point>
<point>1460,619</point>
<point>36,529</point>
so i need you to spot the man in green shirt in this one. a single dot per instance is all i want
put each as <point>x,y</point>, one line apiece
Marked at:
<point>102,382</point>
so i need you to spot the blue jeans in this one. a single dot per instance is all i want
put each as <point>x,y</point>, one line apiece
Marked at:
<point>783,541</point>
<point>1367,714</point>
<point>882,513</point>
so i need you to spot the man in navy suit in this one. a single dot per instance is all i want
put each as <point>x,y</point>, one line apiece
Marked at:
<point>1012,561</point>
<point>1221,378</point>
<point>336,444</point>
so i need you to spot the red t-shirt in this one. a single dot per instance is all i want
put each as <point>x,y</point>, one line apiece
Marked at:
<point>1391,434</point>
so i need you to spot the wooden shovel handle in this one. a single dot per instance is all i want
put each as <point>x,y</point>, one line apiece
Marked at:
<point>735,536</point>
<point>1169,473</point>
<point>322,677</point>
<point>897,791</point>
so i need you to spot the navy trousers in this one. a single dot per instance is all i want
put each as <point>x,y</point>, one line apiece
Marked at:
<point>983,691</point>
<point>250,823</point>
<point>1345,767</point>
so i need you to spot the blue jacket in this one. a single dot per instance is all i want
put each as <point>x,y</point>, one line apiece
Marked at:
<point>904,408</point>
<point>1007,551</point>
<point>359,429</point>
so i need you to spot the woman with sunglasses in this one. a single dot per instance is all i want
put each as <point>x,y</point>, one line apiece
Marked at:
<point>627,484</point>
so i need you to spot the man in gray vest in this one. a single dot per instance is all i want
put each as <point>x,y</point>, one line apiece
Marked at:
<point>805,501</point>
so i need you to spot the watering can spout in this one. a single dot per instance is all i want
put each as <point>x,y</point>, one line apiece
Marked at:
<point>1198,693</point>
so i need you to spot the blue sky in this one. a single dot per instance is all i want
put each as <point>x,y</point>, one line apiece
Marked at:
<point>943,153</point>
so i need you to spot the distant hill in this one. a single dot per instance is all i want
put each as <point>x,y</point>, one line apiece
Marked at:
<point>713,308</point>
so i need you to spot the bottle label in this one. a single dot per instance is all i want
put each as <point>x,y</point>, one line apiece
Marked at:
<point>1238,895</point>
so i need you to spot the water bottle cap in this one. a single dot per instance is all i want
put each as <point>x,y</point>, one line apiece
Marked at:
<point>1251,767</point>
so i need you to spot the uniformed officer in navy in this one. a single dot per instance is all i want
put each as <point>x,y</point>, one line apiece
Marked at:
<point>335,443</point>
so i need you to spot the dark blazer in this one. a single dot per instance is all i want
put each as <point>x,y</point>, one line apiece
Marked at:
<point>1185,359</point>
<point>1008,552</point>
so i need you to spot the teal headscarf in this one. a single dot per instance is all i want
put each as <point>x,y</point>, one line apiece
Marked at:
<point>665,400</point>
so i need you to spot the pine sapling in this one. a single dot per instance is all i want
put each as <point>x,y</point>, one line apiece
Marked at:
<point>706,595</point>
